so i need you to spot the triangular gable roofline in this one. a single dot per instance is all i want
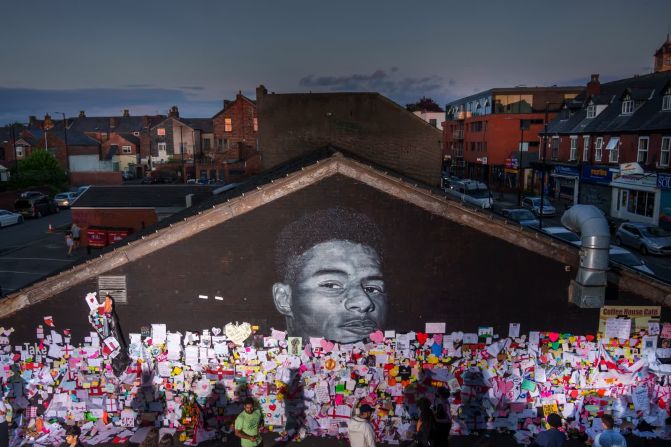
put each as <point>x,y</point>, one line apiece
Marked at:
<point>171,118</point>
<point>22,142</point>
<point>228,106</point>
<point>422,196</point>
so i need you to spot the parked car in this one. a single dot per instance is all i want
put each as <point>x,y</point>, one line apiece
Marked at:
<point>623,256</point>
<point>8,218</point>
<point>644,237</point>
<point>564,234</point>
<point>521,216</point>
<point>82,189</point>
<point>534,204</point>
<point>65,199</point>
<point>469,191</point>
<point>35,204</point>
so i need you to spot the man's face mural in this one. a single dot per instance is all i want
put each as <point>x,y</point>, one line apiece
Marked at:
<point>338,293</point>
<point>332,285</point>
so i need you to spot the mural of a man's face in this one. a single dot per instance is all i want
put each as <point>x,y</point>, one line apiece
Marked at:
<point>337,293</point>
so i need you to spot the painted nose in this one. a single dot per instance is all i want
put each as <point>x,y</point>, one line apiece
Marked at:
<point>359,301</point>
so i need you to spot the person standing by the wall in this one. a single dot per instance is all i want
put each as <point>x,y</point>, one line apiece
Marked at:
<point>443,414</point>
<point>248,425</point>
<point>359,430</point>
<point>552,437</point>
<point>5,412</point>
<point>75,230</point>
<point>609,437</point>
<point>69,242</point>
<point>426,424</point>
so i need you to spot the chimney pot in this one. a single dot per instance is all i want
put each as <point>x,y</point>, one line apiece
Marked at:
<point>82,114</point>
<point>126,114</point>
<point>174,112</point>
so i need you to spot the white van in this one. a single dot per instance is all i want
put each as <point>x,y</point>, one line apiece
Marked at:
<point>469,191</point>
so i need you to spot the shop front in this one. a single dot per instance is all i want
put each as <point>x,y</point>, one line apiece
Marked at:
<point>664,186</point>
<point>566,182</point>
<point>595,186</point>
<point>636,197</point>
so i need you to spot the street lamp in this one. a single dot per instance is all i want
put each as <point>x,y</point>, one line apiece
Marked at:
<point>67,151</point>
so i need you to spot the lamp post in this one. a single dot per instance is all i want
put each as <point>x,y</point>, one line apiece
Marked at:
<point>523,125</point>
<point>67,150</point>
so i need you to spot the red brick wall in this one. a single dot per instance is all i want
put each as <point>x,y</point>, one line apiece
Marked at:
<point>366,124</point>
<point>119,141</point>
<point>135,218</point>
<point>242,113</point>
<point>96,178</point>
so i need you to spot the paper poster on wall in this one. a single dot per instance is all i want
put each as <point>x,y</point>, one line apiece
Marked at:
<point>640,316</point>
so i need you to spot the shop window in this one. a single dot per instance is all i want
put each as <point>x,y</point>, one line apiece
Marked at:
<point>574,148</point>
<point>642,156</point>
<point>585,148</point>
<point>665,152</point>
<point>598,149</point>
<point>641,203</point>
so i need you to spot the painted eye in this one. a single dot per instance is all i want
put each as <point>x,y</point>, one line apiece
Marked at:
<point>373,289</point>
<point>331,285</point>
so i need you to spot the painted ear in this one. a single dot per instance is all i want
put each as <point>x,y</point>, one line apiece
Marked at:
<point>282,298</point>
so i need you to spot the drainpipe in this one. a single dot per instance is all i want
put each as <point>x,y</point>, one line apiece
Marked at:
<point>589,288</point>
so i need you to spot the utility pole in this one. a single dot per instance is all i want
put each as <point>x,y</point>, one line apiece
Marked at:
<point>67,151</point>
<point>545,146</point>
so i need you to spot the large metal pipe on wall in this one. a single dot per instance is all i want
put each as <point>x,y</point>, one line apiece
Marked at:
<point>589,289</point>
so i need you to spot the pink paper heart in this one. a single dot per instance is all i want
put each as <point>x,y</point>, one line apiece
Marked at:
<point>553,336</point>
<point>377,336</point>
<point>327,346</point>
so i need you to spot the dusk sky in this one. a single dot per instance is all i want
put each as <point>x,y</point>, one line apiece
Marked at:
<point>147,55</point>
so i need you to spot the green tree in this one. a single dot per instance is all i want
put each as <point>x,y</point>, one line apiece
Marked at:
<point>424,104</point>
<point>39,169</point>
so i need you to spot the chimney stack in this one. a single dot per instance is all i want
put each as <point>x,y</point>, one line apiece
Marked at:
<point>227,102</point>
<point>126,114</point>
<point>174,112</point>
<point>47,124</point>
<point>145,121</point>
<point>82,114</point>
<point>113,122</point>
<point>32,120</point>
<point>594,86</point>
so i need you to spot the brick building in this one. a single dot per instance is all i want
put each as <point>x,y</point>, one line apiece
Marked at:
<point>487,135</point>
<point>234,125</point>
<point>368,125</point>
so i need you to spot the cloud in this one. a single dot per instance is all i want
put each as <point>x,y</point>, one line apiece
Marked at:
<point>19,103</point>
<point>391,84</point>
<point>192,87</point>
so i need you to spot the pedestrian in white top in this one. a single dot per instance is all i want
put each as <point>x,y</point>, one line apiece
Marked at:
<point>360,430</point>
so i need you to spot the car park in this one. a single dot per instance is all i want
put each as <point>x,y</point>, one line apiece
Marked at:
<point>644,237</point>
<point>65,199</point>
<point>522,216</point>
<point>35,204</point>
<point>624,257</point>
<point>8,218</point>
<point>534,205</point>
<point>564,234</point>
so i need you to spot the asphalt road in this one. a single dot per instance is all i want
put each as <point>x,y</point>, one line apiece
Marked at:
<point>29,252</point>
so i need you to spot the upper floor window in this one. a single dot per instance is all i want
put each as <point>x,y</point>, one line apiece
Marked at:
<point>574,148</point>
<point>126,150</point>
<point>585,148</point>
<point>665,152</point>
<point>555,148</point>
<point>613,148</point>
<point>160,132</point>
<point>666,101</point>
<point>598,149</point>
<point>256,124</point>
<point>627,105</point>
<point>642,156</point>
<point>228,125</point>
<point>591,111</point>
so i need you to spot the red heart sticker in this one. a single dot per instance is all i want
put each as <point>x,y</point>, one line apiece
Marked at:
<point>553,336</point>
<point>422,337</point>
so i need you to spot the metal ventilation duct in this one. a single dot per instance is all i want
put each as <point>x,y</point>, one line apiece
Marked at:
<point>589,289</point>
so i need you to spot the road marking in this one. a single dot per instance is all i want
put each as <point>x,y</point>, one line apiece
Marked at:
<point>2,258</point>
<point>23,273</point>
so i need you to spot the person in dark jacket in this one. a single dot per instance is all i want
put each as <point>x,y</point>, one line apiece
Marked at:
<point>72,435</point>
<point>426,424</point>
<point>552,437</point>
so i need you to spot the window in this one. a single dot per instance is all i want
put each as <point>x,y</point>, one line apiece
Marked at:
<point>228,125</point>
<point>206,144</point>
<point>114,149</point>
<point>591,111</point>
<point>627,106</point>
<point>20,152</point>
<point>666,102</point>
<point>433,122</point>
<point>126,150</point>
<point>162,147</point>
<point>585,148</point>
<point>574,148</point>
<point>598,149</point>
<point>555,148</point>
<point>136,133</point>
<point>2,153</point>
<point>256,124</point>
<point>640,202</point>
<point>642,156</point>
<point>613,148</point>
<point>160,132</point>
<point>476,126</point>
<point>664,153</point>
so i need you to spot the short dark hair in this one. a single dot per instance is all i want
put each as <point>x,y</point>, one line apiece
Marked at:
<point>322,226</point>
<point>554,420</point>
<point>607,420</point>
<point>365,408</point>
<point>248,401</point>
<point>73,430</point>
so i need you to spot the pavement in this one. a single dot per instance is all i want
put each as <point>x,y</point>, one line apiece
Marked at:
<point>29,252</point>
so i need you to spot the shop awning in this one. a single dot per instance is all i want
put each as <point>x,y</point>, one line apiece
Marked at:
<point>612,143</point>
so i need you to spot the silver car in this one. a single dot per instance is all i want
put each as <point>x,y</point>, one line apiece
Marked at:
<point>644,237</point>
<point>65,199</point>
<point>521,216</point>
<point>534,204</point>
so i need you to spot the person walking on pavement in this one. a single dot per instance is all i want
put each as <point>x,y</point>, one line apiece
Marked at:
<point>75,230</point>
<point>360,430</point>
<point>443,414</point>
<point>69,242</point>
<point>248,425</point>
<point>426,427</point>
<point>609,437</point>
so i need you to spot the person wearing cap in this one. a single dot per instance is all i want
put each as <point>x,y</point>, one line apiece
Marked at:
<point>609,437</point>
<point>552,437</point>
<point>72,435</point>
<point>360,430</point>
